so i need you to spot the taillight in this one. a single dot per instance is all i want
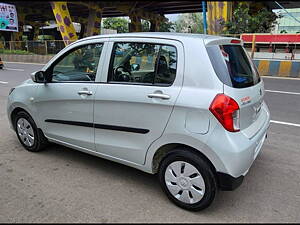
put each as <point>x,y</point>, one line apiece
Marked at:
<point>227,111</point>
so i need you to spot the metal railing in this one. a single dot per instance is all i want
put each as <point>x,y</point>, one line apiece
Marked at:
<point>42,47</point>
<point>273,51</point>
<point>231,35</point>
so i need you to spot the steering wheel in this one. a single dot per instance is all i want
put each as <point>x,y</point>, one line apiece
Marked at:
<point>121,76</point>
<point>124,69</point>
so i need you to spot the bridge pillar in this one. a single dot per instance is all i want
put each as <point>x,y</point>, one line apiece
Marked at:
<point>83,30</point>
<point>36,26</point>
<point>154,25</point>
<point>218,12</point>
<point>21,21</point>
<point>83,22</point>
<point>94,22</point>
<point>135,24</point>
<point>64,22</point>
<point>17,36</point>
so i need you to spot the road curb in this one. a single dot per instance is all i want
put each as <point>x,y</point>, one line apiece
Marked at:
<point>43,59</point>
<point>26,63</point>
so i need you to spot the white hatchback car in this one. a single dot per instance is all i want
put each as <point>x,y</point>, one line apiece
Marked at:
<point>186,107</point>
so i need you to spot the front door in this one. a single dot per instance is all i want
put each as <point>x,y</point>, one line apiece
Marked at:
<point>65,103</point>
<point>134,103</point>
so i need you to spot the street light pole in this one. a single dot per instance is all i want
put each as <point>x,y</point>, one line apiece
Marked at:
<point>204,17</point>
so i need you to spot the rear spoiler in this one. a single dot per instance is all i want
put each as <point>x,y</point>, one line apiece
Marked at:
<point>222,41</point>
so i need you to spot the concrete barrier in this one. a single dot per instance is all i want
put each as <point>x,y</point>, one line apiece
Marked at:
<point>279,68</point>
<point>26,58</point>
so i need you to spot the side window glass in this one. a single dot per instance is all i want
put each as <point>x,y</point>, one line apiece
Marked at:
<point>133,62</point>
<point>78,65</point>
<point>166,65</point>
<point>143,63</point>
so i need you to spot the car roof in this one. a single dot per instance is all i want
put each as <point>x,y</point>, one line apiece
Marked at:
<point>183,37</point>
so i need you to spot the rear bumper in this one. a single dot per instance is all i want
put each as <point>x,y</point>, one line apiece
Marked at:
<point>236,151</point>
<point>227,182</point>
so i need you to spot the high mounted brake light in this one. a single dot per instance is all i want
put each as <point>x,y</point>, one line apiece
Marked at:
<point>227,111</point>
<point>234,41</point>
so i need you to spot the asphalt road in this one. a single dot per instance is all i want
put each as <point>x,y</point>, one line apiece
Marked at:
<point>63,185</point>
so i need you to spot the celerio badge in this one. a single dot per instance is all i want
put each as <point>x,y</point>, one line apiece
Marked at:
<point>246,100</point>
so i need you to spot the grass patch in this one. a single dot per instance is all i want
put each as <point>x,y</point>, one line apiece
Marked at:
<point>15,52</point>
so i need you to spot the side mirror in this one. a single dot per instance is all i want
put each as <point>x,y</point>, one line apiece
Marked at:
<point>135,67</point>
<point>38,76</point>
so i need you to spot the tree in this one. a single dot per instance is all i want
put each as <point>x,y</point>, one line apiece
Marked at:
<point>192,20</point>
<point>261,21</point>
<point>121,25</point>
<point>116,23</point>
<point>166,26</point>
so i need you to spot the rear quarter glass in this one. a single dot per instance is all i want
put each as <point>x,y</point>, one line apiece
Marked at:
<point>233,66</point>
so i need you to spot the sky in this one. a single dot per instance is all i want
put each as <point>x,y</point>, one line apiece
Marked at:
<point>172,17</point>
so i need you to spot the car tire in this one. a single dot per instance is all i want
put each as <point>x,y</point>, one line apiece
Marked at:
<point>28,134</point>
<point>187,179</point>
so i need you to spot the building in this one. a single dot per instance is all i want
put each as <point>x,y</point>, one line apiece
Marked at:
<point>287,24</point>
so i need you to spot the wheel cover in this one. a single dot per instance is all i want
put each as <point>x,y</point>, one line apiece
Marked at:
<point>25,132</point>
<point>185,182</point>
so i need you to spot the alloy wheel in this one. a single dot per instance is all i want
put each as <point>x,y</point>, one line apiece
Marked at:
<point>25,132</point>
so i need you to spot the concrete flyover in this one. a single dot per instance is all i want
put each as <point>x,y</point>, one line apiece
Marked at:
<point>90,13</point>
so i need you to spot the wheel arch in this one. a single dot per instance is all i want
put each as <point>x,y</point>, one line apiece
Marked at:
<point>14,113</point>
<point>168,148</point>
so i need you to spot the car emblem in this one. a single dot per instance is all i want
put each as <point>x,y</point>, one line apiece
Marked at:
<point>246,100</point>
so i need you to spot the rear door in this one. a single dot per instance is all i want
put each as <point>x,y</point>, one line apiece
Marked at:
<point>241,82</point>
<point>134,102</point>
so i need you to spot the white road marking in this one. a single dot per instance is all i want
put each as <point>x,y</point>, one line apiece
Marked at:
<point>285,123</point>
<point>13,69</point>
<point>282,78</point>
<point>3,82</point>
<point>24,63</point>
<point>283,92</point>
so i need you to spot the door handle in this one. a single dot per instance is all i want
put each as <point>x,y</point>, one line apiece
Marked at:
<point>85,92</point>
<point>157,95</point>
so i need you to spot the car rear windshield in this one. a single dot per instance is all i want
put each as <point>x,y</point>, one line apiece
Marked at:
<point>233,66</point>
